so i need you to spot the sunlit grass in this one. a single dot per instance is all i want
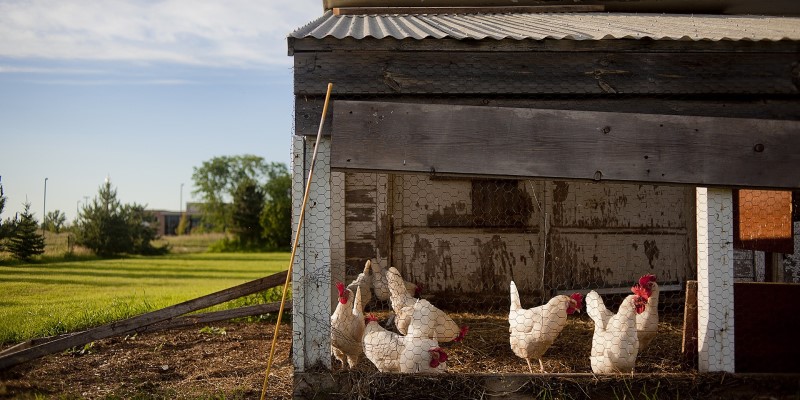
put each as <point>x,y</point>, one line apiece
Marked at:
<point>44,299</point>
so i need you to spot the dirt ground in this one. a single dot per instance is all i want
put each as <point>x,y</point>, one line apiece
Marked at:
<point>228,361</point>
<point>221,361</point>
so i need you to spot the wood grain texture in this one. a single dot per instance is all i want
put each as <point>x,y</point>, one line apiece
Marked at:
<point>383,72</point>
<point>514,142</point>
<point>308,109</point>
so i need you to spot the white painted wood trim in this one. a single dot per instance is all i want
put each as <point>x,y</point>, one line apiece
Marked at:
<point>715,280</point>
<point>311,275</point>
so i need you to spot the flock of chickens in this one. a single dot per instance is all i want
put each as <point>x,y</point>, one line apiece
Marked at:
<point>617,340</point>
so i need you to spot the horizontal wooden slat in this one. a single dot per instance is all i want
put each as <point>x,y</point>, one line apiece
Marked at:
<point>467,10</point>
<point>311,44</point>
<point>513,142</point>
<point>308,110</point>
<point>379,72</point>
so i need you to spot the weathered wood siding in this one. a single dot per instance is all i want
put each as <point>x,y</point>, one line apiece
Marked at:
<point>475,235</point>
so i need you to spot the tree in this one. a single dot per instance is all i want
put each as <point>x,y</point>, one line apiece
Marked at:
<point>216,181</point>
<point>55,221</point>
<point>276,218</point>
<point>183,225</point>
<point>5,227</point>
<point>109,227</point>
<point>26,241</point>
<point>248,201</point>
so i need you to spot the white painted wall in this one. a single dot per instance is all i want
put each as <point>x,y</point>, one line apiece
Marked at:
<point>715,280</point>
<point>311,275</point>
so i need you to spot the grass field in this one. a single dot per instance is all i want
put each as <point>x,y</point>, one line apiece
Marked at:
<point>47,298</point>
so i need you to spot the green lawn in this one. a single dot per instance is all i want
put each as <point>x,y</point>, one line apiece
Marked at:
<point>44,299</point>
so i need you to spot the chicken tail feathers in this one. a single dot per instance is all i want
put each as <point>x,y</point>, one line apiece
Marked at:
<point>461,334</point>
<point>515,303</point>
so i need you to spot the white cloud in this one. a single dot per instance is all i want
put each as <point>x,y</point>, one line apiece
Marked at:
<point>229,33</point>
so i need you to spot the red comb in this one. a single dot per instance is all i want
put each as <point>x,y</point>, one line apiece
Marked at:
<point>644,280</point>
<point>371,317</point>
<point>578,299</point>
<point>640,291</point>
<point>461,334</point>
<point>340,286</point>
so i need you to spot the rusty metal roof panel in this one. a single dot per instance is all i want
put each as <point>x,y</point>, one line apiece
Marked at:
<point>538,26</point>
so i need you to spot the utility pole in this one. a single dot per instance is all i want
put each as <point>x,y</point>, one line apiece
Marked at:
<point>44,207</point>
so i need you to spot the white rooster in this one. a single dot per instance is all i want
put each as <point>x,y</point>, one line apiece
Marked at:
<point>533,330</point>
<point>647,321</point>
<point>347,327</point>
<point>615,345</point>
<point>432,322</point>
<point>391,352</point>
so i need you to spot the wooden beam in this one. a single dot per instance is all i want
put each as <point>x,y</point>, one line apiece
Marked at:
<point>689,343</point>
<point>308,109</point>
<point>140,321</point>
<point>514,142</point>
<point>498,73</point>
<point>349,44</point>
<point>174,323</point>
<point>468,10</point>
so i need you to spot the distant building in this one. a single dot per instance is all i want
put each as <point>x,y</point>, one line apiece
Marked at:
<point>167,221</point>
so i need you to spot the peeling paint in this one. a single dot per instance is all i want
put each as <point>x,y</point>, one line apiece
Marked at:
<point>651,251</point>
<point>495,262</point>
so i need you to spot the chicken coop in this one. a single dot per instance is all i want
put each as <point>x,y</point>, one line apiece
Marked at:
<point>553,149</point>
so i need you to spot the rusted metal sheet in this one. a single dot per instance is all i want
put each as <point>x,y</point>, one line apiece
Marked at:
<point>763,221</point>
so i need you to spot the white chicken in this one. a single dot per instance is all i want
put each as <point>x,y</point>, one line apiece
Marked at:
<point>380,283</point>
<point>382,347</point>
<point>616,345</point>
<point>433,323</point>
<point>347,327</point>
<point>647,321</point>
<point>533,330</point>
<point>391,352</point>
<point>364,282</point>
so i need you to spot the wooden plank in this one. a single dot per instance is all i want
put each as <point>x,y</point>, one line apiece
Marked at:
<point>174,323</point>
<point>468,10</point>
<point>379,72</point>
<point>327,44</point>
<point>308,110</point>
<point>512,142</point>
<point>131,324</point>
<point>689,343</point>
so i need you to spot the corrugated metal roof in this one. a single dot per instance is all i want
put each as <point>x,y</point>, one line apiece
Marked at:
<point>574,26</point>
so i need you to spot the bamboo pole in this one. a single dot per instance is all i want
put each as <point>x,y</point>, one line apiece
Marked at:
<point>296,239</point>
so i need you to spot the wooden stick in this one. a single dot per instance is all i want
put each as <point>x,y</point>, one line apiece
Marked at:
<point>139,321</point>
<point>296,238</point>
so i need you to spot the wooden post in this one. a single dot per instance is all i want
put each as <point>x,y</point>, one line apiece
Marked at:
<point>715,332</point>
<point>311,275</point>
<point>689,347</point>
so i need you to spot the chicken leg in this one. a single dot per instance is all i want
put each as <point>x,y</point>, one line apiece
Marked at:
<point>529,365</point>
<point>541,366</point>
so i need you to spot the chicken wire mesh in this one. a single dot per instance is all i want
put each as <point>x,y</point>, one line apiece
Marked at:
<point>487,275</point>
<point>459,242</point>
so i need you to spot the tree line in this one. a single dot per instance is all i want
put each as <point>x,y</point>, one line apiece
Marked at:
<point>241,195</point>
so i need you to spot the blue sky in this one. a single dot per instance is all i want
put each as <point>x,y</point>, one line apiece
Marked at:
<point>141,91</point>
